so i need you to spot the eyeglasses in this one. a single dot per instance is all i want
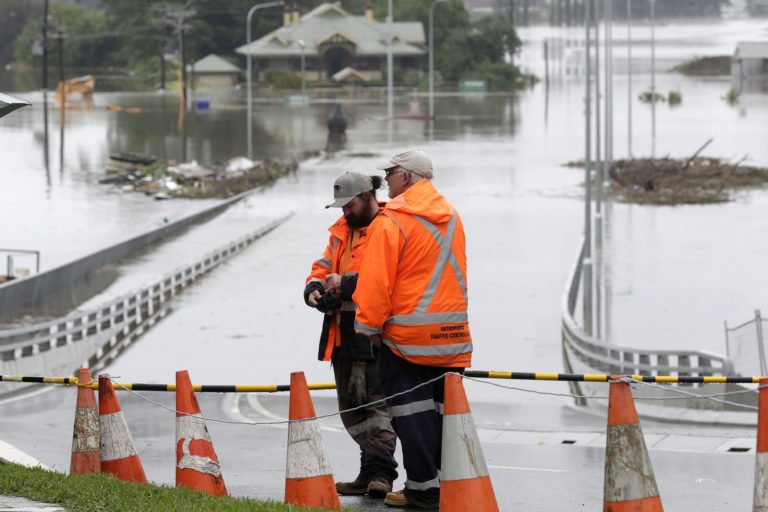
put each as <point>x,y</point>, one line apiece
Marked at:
<point>391,172</point>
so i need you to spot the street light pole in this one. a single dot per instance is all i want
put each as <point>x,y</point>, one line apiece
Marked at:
<point>432,59</point>
<point>608,150</point>
<point>302,44</point>
<point>600,152</point>
<point>629,78</point>
<point>390,66</point>
<point>587,255</point>
<point>249,128</point>
<point>653,78</point>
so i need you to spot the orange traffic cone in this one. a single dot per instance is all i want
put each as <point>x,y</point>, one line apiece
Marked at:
<point>629,482</point>
<point>85,436</point>
<point>118,455</point>
<point>197,466</point>
<point>760,500</point>
<point>464,480</point>
<point>308,476</point>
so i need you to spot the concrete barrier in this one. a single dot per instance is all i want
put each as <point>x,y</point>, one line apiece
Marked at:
<point>29,291</point>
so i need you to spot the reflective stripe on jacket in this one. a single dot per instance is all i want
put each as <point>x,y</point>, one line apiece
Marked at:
<point>338,325</point>
<point>412,287</point>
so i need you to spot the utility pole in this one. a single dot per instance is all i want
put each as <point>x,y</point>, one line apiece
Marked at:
<point>178,20</point>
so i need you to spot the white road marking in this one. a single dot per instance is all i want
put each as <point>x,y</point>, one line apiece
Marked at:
<point>519,468</point>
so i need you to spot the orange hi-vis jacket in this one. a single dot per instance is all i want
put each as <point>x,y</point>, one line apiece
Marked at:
<point>340,258</point>
<point>412,286</point>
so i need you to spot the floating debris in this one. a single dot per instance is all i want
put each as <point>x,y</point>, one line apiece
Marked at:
<point>133,172</point>
<point>669,181</point>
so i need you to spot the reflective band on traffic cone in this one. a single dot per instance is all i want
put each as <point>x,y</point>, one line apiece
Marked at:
<point>85,435</point>
<point>118,455</point>
<point>629,482</point>
<point>197,466</point>
<point>464,481</point>
<point>760,502</point>
<point>308,476</point>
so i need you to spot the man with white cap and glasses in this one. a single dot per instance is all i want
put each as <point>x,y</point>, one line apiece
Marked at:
<point>411,301</point>
<point>329,289</point>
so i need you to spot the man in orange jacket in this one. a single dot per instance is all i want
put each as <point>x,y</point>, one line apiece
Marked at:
<point>329,288</point>
<point>411,299</point>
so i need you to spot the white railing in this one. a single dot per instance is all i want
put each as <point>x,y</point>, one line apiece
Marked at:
<point>95,337</point>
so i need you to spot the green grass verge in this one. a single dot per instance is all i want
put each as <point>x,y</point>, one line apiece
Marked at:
<point>105,493</point>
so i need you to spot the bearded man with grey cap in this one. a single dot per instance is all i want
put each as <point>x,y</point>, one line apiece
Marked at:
<point>412,302</point>
<point>329,289</point>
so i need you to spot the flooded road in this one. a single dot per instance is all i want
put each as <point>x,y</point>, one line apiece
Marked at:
<point>672,273</point>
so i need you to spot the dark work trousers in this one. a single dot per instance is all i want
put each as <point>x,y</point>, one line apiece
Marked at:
<point>371,428</point>
<point>418,420</point>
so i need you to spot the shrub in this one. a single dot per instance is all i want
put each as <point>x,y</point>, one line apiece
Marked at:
<point>282,79</point>
<point>732,96</point>
<point>648,97</point>
<point>674,98</point>
<point>411,77</point>
<point>500,76</point>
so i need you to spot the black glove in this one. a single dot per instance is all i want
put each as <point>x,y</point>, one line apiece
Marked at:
<point>328,302</point>
<point>311,287</point>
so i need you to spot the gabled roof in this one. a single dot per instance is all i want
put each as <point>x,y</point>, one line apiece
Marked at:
<point>214,64</point>
<point>349,73</point>
<point>328,20</point>
<point>751,50</point>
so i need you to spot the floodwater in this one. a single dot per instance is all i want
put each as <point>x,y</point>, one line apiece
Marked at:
<point>672,274</point>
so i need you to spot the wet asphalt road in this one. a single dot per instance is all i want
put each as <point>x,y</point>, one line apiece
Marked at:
<point>530,467</point>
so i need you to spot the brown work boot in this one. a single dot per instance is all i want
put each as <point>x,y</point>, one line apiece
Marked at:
<point>399,499</point>
<point>379,487</point>
<point>396,499</point>
<point>356,488</point>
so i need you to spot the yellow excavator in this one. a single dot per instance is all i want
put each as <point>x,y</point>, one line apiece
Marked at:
<point>82,84</point>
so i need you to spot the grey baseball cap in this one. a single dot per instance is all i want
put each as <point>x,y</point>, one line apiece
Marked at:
<point>413,160</point>
<point>347,186</point>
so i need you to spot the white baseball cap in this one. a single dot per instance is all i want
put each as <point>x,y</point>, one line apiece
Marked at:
<point>413,160</point>
<point>347,186</point>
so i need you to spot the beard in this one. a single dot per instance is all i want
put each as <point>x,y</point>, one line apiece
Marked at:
<point>357,221</point>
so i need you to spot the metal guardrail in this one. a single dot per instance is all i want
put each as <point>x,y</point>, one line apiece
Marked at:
<point>124,318</point>
<point>582,352</point>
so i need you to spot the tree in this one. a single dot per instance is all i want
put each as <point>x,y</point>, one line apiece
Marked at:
<point>14,16</point>
<point>78,26</point>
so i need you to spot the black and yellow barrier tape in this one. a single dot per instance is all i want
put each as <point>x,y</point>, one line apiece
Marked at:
<point>478,374</point>
<point>603,377</point>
